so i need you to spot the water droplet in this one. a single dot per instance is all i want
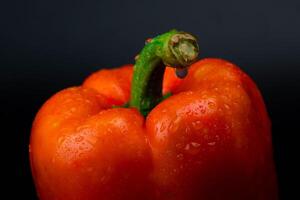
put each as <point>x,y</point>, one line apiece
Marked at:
<point>180,156</point>
<point>78,138</point>
<point>162,127</point>
<point>202,110</point>
<point>211,105</point>
<point>164,111</point>
<point>187,147</point>
<point>136,57</point>
<point>227,106</point>
<point>60,140</point>
<point>81,148</point>
<point>87,101</point>
<point>109,130</point>
<point>211,143</point>
<point>187,129</point>
<point>195,144</point>
<point>148,40</point>
<point>227,127</point>
<point>181,73</point>
<point>81,128</point>
<point>197,125</point>
<point>192,148</point>
<point>175,125</point>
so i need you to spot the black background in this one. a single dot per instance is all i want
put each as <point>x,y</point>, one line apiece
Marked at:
<point>46,46</point>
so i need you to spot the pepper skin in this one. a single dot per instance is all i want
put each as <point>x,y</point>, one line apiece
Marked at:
<point>210,140</point>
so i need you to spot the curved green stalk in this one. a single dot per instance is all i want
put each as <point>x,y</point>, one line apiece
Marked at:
<point>174,48</point>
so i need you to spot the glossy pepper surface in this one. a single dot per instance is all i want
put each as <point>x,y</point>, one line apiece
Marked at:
<point>140,132</point>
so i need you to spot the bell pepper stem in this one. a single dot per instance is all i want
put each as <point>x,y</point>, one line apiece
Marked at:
<point>174,48</point>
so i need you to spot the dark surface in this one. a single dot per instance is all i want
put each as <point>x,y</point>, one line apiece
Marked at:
<point>46,46</point>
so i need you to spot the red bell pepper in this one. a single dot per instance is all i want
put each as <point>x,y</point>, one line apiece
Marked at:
<point>143,133</point>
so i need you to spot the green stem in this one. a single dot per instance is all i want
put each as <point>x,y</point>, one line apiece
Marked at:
<point>174,48</point>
